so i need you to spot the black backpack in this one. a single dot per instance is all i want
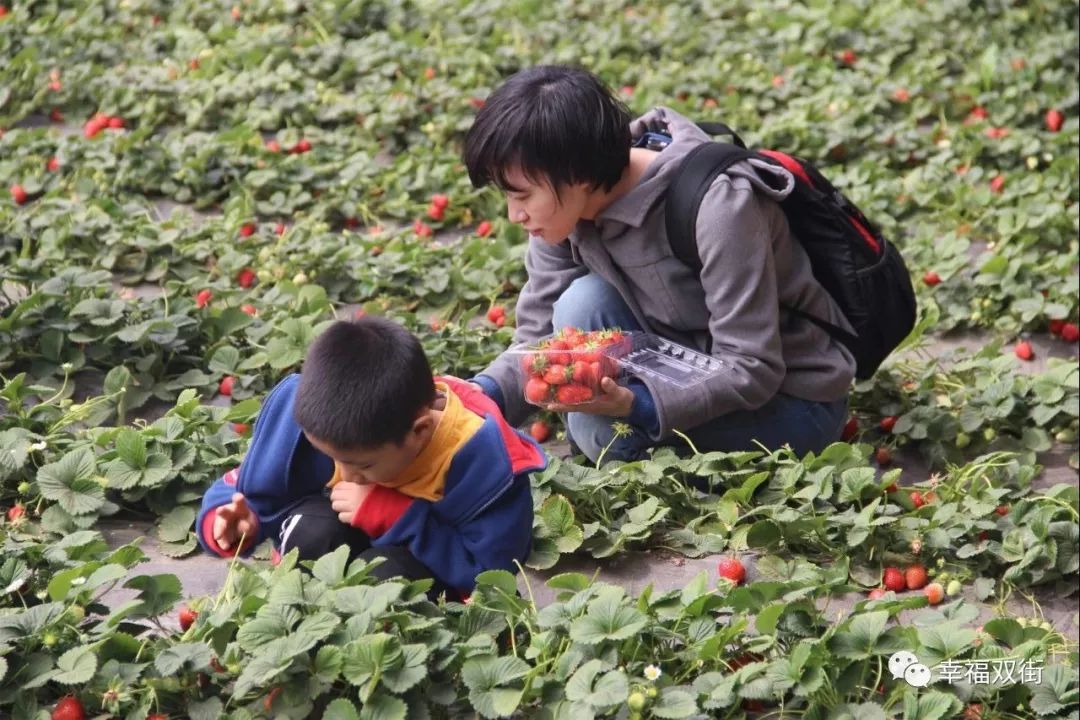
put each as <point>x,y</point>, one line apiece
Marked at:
<point>862,271</point>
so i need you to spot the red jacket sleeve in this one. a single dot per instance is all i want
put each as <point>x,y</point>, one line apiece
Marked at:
<point>380,510</point>
<point>211,543</point>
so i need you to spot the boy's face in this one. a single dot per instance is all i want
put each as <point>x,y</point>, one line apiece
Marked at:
<point>534,205</point>
<point>380,465</point>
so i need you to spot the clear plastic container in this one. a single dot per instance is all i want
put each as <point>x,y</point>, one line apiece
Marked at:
<point>567,367</point>
<point>659,359</point>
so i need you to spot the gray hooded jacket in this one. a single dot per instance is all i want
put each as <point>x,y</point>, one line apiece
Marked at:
<point>751,265</point>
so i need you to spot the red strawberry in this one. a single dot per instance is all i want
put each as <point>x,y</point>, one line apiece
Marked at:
<point>1056,326</point>
<point>241,428</point>
<point>887,423</point>
<point>585,373</point>
<point>3,10</point>
<point>1023,351</point>
<point>15,512</point>
<point>421,228</point>
<point>94,126</point>
<point>1070,332</point>
<point>891,488</point>
<point>557,374</point>
<point>187,617</point>
<point>877,593</point>
<point>997,184</point>
<point>202,298</point>
<point>56,116</point>
<point>68,708</point>
<point>850,430</point>
<point>116,123</point>
<point>848,57</point>
<point>247,229</point>
<point>901,95</point>
<point>483,229</point>
<point>627,90</point>
<point>53,164</point>
<point>279,229</point>
<point>573,394</point>
<point>248,309</point>
<point>931,278</point>
<point>534,364</point>
<point>273,146</point>
<point>440,201</point>
<point>18,194</point>
<point>996,133</point>
<point>973,712</point>
<point>917,499</point>
<point>1002,510</point>
<point>225,387</point>
<point>537,391</point>
<point>429,73</point>
<point>977,113</point>
<point>894,580</point>
<point>540,431</point>
<point>302,146</point>
<point>496,314</point>
<point>245,278</point>
<point>268,701</point>
<point>216,665</point>
<point>934,593</point>
<point>732,569</point>
<point>915,577</point>
<point>883,456</point>
<point>437,324</point>
<point>477,102</point>
<point>1054,120</point>
<point>157,716</point>
<point>435,212</point>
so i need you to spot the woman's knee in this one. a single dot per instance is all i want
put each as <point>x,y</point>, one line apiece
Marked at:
<point>591,303</point>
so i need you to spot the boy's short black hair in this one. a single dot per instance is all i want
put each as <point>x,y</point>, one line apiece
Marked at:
<point>363,383</point>
<point>554,121</point>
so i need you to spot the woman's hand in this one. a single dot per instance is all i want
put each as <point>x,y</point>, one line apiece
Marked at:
<point>614,400</point>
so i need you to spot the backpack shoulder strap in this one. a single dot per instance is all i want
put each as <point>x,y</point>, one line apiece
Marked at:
<point>696,174</point>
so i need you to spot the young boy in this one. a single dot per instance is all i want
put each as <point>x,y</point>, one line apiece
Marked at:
<point>365,448</point>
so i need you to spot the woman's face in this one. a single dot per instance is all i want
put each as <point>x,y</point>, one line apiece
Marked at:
<point>534,205</point>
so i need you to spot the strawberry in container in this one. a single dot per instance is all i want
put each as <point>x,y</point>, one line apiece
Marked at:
<point>567,367</point>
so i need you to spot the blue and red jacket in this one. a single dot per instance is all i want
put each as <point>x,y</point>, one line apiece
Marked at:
<point>483,521</point>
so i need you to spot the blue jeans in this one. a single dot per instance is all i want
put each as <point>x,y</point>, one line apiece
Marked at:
<point>591,303</point>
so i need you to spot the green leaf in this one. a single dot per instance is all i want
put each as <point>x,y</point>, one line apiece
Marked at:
<point>176,524</point>
<point>157,593</point>
<point>131,447</point>
<point>76,666</point>
<point>384,707</point>
<point>330,568</point>
<point>598,690</point>
<point>340,709</point>
<point>208,709</point>
<point>674,703</point>
<point>489,680</point>
<point>1055,690</point>
<point>69,482</point>
<point>932,705</point>
<point>608,618</point>
<point>764,534</point>
<point>183,657</point>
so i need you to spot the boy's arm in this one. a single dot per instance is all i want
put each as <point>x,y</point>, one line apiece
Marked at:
<point>493,540</point>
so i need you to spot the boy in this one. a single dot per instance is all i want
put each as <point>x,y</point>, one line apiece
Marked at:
<point>365,448</point>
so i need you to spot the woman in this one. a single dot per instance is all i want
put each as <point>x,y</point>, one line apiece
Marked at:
<point>577,177</point>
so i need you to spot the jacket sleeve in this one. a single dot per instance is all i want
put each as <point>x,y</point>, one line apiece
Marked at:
<point>736,229</point>
<point>551,269</point>
<point>492,540</point>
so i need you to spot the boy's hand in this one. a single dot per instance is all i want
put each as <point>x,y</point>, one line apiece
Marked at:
<point>234,521</point>
<point>347,497</point>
